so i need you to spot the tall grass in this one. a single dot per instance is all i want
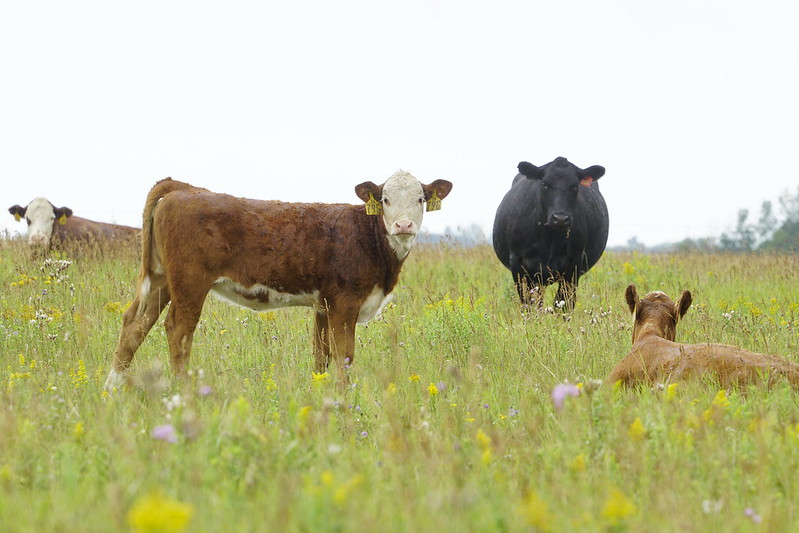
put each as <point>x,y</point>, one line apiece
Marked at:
<point>448,425</point>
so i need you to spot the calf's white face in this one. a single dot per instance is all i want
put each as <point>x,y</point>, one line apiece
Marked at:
<point>402,200</point>
<point>403,210</point>
<point>40,217</point>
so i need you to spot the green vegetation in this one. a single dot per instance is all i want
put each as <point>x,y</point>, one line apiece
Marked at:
<point>449,424</point>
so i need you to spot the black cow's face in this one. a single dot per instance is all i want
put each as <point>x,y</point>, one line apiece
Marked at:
<point>559,197</point>
<point>560,187</point>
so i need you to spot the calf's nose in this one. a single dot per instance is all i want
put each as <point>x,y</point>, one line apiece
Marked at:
<point>403,227</point>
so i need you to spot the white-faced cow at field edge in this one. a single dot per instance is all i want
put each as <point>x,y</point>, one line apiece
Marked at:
<point>263,255</point>
<point>48,224</point>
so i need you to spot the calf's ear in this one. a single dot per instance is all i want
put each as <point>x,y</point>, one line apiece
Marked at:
<point>17,211</point>
<point>441,188</point>
<point>366,188</point>
<point>631,296</point>
<point>529,170</point>
<point>683,303</point>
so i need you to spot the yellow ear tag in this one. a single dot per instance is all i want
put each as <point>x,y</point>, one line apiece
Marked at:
<point>17,217</point>
<point>373,207</point>
<point>434,203</point>
<point>62,219</point>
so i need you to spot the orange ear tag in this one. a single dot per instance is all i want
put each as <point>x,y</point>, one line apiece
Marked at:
<point>62,219</point>
<point>587,181</point>
<point>17,217</point>
<point>434,203</point>
<point>373,207</point>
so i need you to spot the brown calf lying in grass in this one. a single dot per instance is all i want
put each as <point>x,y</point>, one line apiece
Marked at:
<point>656,358</point>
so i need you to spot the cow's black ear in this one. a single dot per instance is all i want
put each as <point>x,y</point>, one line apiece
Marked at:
<point>528,170</point>
<point>594,172</point>
<point>17,211</point>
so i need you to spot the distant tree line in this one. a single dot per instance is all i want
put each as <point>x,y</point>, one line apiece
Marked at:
<point>768,233</point>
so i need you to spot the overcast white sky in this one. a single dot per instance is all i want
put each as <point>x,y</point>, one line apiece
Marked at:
<point>690,105</point>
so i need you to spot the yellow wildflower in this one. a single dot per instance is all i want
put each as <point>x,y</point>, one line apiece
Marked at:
<point>671,391</point>
<point>536,513</point>
<point>155,512</point>
<point>414,377</point>
<point>432,389</point>
<point>78,430</point>
<point>342,493</point>
<point>617,507</point>
<point>320,379</point>
<point>721,401</point>
<point>578,463</point>
<point>636,431</point>
<point>392,388</point>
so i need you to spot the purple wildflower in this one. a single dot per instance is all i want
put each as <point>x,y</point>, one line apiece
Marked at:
<point>561,391</point>
<point>205,390</point>
<point>165,433</point>
<point>756,518</point>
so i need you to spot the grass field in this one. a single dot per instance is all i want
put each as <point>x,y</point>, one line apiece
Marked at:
<point>449,424</point>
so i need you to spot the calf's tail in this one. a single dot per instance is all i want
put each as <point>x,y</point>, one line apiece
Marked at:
<point>159,190</point>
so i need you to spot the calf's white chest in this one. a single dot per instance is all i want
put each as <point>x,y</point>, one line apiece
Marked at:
<point>373,304</point>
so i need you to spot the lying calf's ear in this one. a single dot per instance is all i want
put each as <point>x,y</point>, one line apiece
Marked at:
<point>631,296</point>
<point>683,303</point>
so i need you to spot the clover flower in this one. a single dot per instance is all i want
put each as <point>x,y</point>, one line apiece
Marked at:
<point>756,518</point>
<point>165,433</point>
<point>561,391</point>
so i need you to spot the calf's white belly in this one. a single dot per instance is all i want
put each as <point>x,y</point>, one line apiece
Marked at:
<point>263,298</point>
<point>260,297</point>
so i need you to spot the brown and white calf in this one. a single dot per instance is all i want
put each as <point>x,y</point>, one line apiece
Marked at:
<point>656,358</point>
<point>264,255</point>
<point>48,224</point>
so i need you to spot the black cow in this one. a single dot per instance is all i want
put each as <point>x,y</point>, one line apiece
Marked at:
<point>551,227</point>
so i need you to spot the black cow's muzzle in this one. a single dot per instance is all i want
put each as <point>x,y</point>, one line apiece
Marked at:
<point>560,221</point>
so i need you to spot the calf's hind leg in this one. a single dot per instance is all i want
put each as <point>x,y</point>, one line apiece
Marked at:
<point>180,323</point>
<point>151,298</point>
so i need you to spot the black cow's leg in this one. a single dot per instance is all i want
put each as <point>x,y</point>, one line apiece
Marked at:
<point>567,293</point>
<point>529,288</point>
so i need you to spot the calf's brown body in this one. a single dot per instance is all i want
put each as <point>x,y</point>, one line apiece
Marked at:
<point>656,358</point>
<point>262,255</point>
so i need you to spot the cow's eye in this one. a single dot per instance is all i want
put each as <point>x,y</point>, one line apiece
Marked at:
<point>28,221</point>
<point>386,202</point>
<point>421,201</point>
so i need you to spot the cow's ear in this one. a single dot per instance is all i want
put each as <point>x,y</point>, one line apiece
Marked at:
<point>631,296</point>
<point>595,172</point>
<point>367,188</point>
<point>62,212</point>
<point>683,304</point>
<point>529,170</point>
<point>439,188</point>
<point>17,211</point>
